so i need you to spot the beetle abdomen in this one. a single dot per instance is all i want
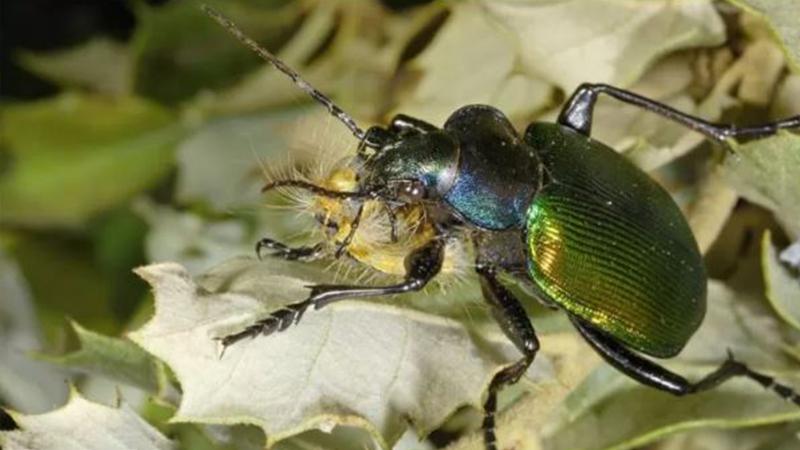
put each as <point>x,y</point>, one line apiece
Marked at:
<point>609,245</point>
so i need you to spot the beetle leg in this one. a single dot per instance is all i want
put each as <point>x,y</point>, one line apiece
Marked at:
<point>404,125</point>
<point>401,125</point>
<point>577,114</point>
<point>283,251</point>
<point>651,374</point>
<point>349,238</point>
<point>421,266</point>
<point>514,322</point>
<point>375,138</point>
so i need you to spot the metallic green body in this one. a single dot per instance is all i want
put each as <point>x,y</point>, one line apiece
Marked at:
<point>609,245</point>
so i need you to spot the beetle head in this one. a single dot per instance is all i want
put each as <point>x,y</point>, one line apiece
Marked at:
<point>411,169</point>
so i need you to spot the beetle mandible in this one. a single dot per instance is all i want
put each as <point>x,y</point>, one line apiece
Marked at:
<point>596,236</point>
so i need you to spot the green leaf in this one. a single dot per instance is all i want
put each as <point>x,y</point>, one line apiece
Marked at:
<point>100,65</point>
<point>774,437</point>
<point>25,384</point>
<point>76,155</point>
<point>178,50</point>
<point>356,363</point>
<point>783,288</point>
<point>83,425</point>
<point>117,359</point>
<point>64,281</point>
<point>767,172</point>
<point>781,15</point>
<point>118,244</point>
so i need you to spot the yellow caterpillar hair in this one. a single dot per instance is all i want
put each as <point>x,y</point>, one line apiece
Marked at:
<point>371,246</point>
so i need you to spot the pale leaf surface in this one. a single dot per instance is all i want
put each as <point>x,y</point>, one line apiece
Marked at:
<point>457,69</point>
<point>355,363</point>
<point>783,288</point>
<point>767,172</point>
<point>569,42</point>
<point>782,17</point>
<point>186,237</point>
<point>84,425</point>
<point>591,416</point>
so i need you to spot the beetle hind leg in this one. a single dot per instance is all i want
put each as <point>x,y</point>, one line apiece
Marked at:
<point>732,368</point>
<point>514,322</point>
<point>651,374</point>
<point>577,114</point>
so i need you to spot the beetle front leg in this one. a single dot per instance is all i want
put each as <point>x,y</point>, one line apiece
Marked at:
<point>514,322</point>
<point>651,374</point>
<point>283,251</point>
<point>421,266</point>
<point>577,114</point>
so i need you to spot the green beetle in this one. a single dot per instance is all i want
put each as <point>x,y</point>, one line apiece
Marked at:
<point>610,246</point>
<point>593,234</point>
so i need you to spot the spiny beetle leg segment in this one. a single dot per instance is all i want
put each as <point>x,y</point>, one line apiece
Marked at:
<point>577,114</point>
<point>421,266</point>
<point>651,374</point>
<point>514,321</point>
<point>283,251</point>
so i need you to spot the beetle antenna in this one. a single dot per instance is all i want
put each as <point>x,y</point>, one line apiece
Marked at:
<point>319,190</point>
<point>265,54</point>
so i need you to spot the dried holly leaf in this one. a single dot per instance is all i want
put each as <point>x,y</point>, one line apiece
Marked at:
<point>83,425</point>
<point>357,363</point>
